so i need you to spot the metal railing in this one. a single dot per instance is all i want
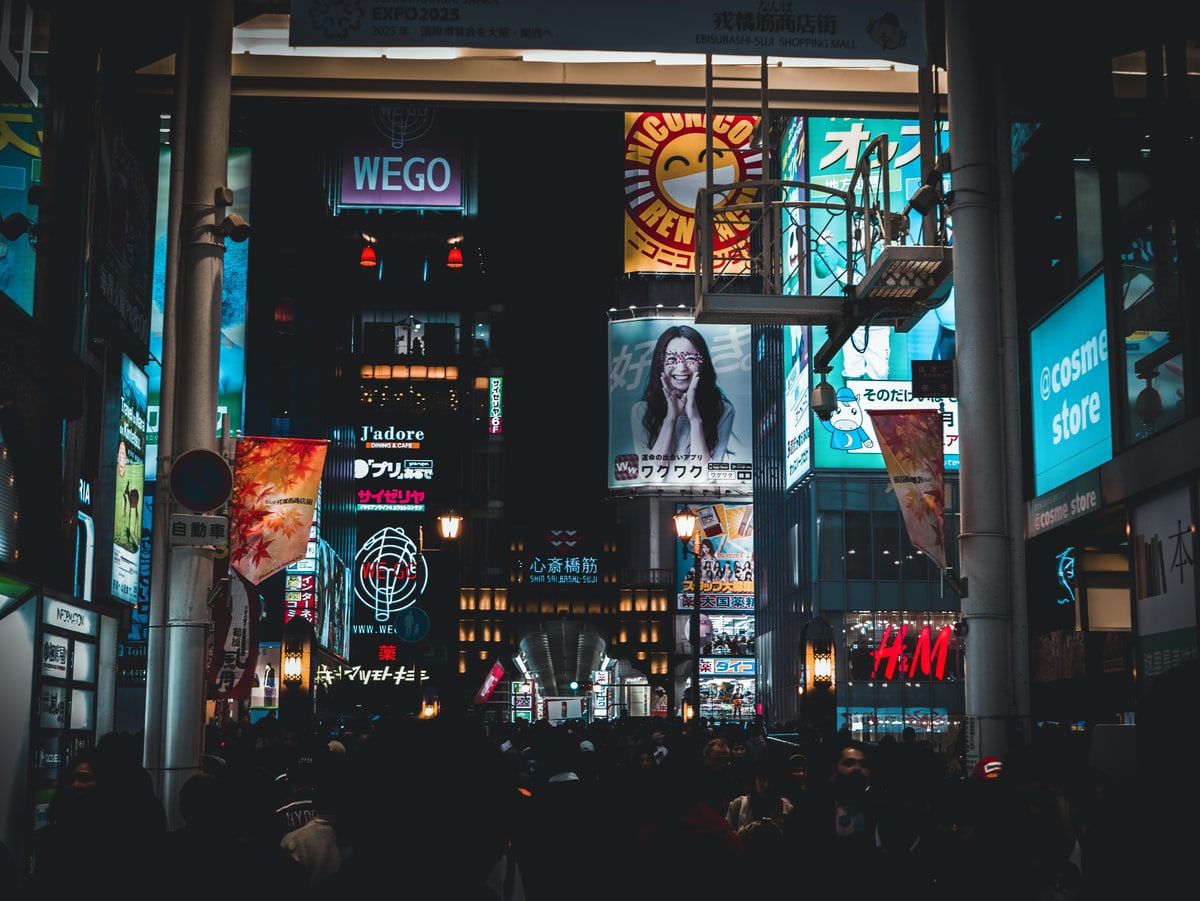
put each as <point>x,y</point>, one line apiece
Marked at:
<point>800,253</point>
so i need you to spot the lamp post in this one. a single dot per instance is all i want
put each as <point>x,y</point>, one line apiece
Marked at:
<point>296,682</point>
<point>686,528</point>
<point>819,667</point>
<point>449,524</point>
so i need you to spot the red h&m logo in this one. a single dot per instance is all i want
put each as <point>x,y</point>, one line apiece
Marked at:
<point>927,653</point>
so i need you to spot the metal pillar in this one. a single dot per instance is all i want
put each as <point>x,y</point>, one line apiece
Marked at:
<point>991,537</point>
<point>178,741</point>
<point>156,628</point>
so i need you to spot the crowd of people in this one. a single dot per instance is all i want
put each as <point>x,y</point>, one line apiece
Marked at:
<point>653,808</point>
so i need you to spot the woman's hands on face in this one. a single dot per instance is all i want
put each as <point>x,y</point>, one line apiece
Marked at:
<point>689,397</point>
<point>681,403</point>
<point>676,400</point>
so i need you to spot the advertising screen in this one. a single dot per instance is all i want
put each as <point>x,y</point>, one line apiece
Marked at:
<point>393,586</point>
<point>797,426</point>
<point>232,360</point>
<point>847,440</point>
<point>679,405</point>
<point>665,165</point>
<point>726,564</point>
<point>723,579</point>
<point>129,456</point>
<point>793,167</point>
<point>20,167</point>
<point>333,600</point>
<point>1071,404</point>
<point>873,369</point>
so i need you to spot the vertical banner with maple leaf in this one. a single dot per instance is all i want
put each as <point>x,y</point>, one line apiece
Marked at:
<point>911,443</point>
<point>275,482</point>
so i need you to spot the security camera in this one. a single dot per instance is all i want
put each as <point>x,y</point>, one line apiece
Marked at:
<point>235,228</point>
<point>823,400</point>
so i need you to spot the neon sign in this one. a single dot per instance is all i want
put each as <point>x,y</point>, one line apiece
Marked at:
<point>1066,574</point>
<point>496,406</point>
<point>390,572</point>
<point>929,653</point>
<point>327,675</point>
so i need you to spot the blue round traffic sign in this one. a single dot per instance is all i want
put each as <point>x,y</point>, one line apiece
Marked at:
<point>201,480</point>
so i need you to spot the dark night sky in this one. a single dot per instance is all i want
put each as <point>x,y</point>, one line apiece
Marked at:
<point>551,192</point>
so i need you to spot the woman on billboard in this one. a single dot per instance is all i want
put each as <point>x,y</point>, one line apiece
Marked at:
<point>683,416</point>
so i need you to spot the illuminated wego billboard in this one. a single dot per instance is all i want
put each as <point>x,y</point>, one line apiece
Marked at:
<point>679,405</point>
<point>401,157</point>
<point>665,165</point>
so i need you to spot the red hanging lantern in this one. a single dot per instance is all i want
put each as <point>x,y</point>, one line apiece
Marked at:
<point>368,257</point>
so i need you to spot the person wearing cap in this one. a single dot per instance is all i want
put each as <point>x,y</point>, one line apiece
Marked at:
<point>797,775</point>
<point>659,750</point>
<point>988,768</point>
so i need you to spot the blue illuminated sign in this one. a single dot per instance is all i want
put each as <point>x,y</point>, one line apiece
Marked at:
<point>1071,405</point>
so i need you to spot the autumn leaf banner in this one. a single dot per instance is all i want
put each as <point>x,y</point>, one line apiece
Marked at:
<point>911,443</point>
<point>275,482</point>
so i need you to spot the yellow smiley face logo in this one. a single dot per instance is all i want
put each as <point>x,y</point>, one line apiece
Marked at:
<point>682,168</point>
<point>666,165</point>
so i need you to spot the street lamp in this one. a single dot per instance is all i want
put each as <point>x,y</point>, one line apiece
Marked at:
<point>449,524</point>
<point>685,527</point>
<point>296,685</point>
